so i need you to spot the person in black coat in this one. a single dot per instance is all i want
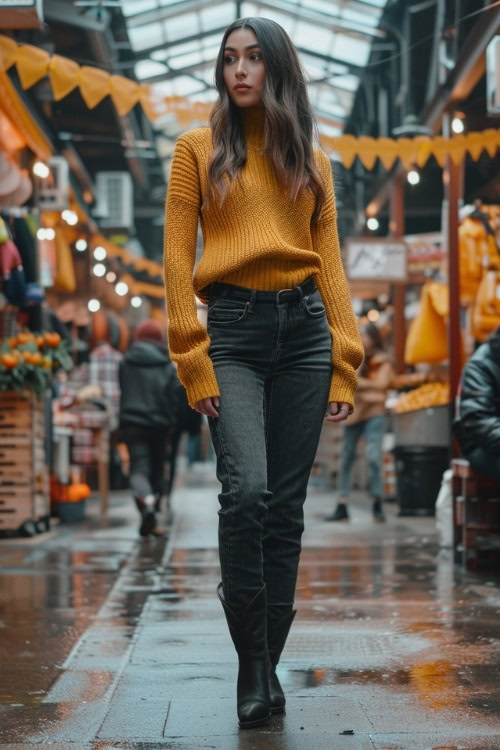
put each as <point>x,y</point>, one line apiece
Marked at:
<point>148,408</point>
<point>477,425</point>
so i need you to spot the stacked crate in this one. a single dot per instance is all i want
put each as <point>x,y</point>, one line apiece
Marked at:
<point>24,486</point>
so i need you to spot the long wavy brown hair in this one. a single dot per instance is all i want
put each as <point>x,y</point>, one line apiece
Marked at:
<point>289,121</point>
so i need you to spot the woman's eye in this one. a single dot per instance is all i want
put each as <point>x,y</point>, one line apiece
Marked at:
<point>228,59</point>
<point>256,56</point>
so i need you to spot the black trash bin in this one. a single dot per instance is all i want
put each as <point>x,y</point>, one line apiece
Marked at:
<point>419,471</point>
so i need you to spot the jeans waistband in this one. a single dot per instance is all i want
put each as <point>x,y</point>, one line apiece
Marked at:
<point>281,296</point>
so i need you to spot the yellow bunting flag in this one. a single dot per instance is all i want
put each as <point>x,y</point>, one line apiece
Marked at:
<point>145,98</point>
<point>423,150</point>
<point>32,64</point>
<point>388,152</point>
<point>491,141</point>
<point>457,148</point>
<point>94,85</point>
<point>63,75</point>
<point>8,52</point>
<point>368,151</point>
<point>440,149</point>
<point>475,144</point>
<point>124,93</point>
<point>406,152</point>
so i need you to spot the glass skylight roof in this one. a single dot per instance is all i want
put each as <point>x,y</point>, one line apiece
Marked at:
<point>176,43</point>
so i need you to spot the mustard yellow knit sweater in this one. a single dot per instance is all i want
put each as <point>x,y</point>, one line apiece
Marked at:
<point>258,239</point>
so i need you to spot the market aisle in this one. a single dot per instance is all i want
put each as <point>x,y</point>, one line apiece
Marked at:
<point>390,646</point>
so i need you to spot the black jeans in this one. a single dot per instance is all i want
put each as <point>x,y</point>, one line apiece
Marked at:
<point>147,449</point>
<point>272,357</point>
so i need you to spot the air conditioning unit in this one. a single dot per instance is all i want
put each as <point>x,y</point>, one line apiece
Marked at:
<point>115,200</point>
<point>21,14</point>
<point>52,193</point>
<point>493,76</point>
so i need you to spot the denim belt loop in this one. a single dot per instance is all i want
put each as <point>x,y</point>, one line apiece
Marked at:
<point>253,298</point>
<point>281,291</point>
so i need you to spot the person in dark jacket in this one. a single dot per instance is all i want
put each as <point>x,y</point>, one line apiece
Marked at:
<point>148,404</point>
<point>477,425</point>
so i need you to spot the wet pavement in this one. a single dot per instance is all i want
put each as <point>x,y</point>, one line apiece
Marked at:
<point>108,642</point>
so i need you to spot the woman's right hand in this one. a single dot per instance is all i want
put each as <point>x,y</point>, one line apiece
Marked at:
<point>208,406</point>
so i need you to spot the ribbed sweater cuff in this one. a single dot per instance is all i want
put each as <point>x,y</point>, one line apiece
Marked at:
<point>203,384</point>
<point>342,388</point>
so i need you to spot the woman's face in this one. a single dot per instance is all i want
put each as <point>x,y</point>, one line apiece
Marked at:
<point>244,71</point>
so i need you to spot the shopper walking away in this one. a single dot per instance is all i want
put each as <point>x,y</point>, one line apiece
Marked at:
<point>367,422</point>
<point>188,420</point>
<point>477,425</point>
<point>148,407</point>
<point>103,371</point>
<point>282,340</point>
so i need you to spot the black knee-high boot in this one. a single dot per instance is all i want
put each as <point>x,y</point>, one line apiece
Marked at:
<point>249,635</point>
<point>277,633</point>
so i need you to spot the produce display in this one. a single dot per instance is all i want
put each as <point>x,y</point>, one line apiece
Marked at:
<point>28,360</point>
<point>429,394</point>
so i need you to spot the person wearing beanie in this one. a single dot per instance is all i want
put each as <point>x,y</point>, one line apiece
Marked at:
<point>148,407</point>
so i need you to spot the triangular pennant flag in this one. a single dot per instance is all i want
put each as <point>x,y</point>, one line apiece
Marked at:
<point>475,144</point>
<point>124,93</point>
<point>367,151</point>
<point>490,141</point>
<point>8,52</point>
<point>32,64</point>
<point>147,104</point>
<point>457,149</point>
<point>94,85</point>
<point>347,147</point>
<point>423,150</point>
<point>407,152</point>
<point>63,74</point>
<point>440,149</point>
<point>388,152</point>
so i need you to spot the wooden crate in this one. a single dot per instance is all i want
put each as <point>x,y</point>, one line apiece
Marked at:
<point>24,485</point>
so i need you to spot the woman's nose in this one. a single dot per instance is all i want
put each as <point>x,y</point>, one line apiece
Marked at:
<point>241,68</point>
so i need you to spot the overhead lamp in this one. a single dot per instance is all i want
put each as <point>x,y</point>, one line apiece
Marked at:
<point>50,233</point>
<point>457,124</point>
<point>372,224</point>
<point>99,269</point>
<point>41,234</point>
<point>81,245</point>
<point>121,289</point>
<point>40,169</point>
<point>94,305</point>
<point>70,217</point>
<point>100,253</point>
<point>136,301</point>
<point>413,177</point>
<point>111,277</point>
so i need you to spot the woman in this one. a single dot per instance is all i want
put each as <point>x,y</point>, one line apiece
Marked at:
<point>149,395</point>
<point>279,314</point>
<point>367,422</point>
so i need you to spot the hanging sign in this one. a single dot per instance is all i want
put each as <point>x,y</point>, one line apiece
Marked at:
<point>377,259</point>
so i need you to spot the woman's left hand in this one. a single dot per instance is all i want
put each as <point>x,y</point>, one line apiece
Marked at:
<point>338,411</point>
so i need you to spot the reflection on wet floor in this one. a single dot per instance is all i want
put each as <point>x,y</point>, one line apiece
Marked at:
<point>109,642</point>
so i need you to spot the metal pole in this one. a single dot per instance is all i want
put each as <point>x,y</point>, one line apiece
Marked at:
<point>452,184</point>
<point>397,229</point>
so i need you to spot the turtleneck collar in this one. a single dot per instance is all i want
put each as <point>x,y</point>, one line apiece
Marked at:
<point>253,122</point>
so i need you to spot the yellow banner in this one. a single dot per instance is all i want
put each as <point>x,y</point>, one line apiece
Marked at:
<point>95,84</point>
